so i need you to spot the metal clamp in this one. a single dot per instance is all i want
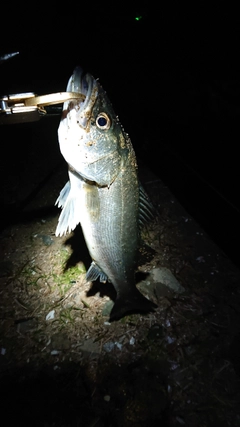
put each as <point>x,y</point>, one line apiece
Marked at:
<point>28,107</point>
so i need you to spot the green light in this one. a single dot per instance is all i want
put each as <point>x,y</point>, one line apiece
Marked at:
<point>137,18</point>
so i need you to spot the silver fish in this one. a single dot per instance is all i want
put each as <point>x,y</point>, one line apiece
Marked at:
<point>103,193</point>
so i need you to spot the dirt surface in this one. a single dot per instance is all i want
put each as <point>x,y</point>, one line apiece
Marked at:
<point>63,364</point>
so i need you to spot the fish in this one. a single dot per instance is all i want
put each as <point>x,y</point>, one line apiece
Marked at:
<point>103,193</point>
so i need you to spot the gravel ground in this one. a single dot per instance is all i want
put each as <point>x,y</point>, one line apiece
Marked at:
<point>63,364</point>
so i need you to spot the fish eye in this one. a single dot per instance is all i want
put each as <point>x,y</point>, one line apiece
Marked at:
<point>103,121</point>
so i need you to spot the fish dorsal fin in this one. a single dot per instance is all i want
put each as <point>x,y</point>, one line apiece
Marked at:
<point>147,212</point>
<point>94,272</point>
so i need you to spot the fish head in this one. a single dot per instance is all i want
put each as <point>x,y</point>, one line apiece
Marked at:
<point>91,138</point>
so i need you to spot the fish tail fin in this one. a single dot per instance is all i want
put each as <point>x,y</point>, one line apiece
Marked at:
<point>134,302</point>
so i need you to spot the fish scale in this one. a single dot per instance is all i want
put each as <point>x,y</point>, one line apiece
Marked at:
<point>118,243</point>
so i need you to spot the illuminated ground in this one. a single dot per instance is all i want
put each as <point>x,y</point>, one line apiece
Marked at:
<point>63,364</point>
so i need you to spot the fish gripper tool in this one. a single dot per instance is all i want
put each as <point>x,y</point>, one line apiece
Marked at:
<point>28,107</point>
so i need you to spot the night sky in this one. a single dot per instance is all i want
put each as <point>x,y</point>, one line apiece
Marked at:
<point>174,38</point>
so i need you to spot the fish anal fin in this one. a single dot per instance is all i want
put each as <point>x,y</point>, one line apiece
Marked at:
<point>94,272</point>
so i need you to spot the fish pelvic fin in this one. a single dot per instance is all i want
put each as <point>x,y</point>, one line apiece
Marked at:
<point>94,272</point>
<point>134,302</point>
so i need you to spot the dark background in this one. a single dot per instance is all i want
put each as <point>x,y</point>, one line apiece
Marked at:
<point>173,79</point>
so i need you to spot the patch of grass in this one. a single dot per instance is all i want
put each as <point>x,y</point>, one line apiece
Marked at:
<point>66,279</point>
<point>33,276</point>
<point>66,315</point>
<point>66,276</point>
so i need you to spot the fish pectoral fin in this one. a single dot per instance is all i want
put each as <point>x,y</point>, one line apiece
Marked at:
<point>94,272</point>
<point>62,198</point>
<point>70,215</point>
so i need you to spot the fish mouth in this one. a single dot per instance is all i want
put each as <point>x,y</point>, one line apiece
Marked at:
<point>85,84</point>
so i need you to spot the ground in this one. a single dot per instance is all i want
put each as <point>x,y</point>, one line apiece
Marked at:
<point>63,364</point>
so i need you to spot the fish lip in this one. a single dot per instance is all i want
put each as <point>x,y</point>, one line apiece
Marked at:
<point>85,84</point>
<point>80,81</point>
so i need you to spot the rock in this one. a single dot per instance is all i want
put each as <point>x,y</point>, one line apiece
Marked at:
<point>50,315</point>
<point>164,276</point>
<point>60,341</point>
<point>160,282</point>
<point>47,240</point>
<point>89,348</point>
<point>107,308</point>
<point>27,325</point>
